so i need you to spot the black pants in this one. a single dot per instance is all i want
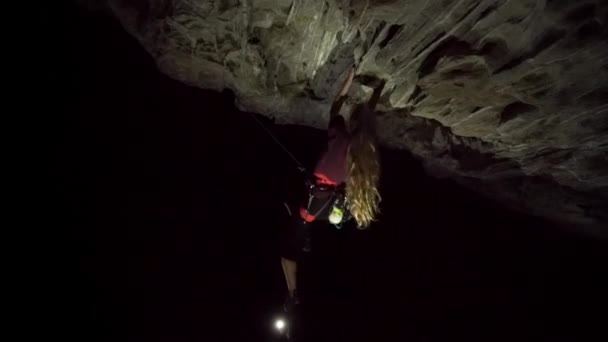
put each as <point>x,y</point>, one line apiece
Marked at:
<point>295,240</point>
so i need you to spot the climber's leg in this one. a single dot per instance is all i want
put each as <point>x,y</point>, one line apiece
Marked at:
<point>290,269</point>
<point>295,242</point>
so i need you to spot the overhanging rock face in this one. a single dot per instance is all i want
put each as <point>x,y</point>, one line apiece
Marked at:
<point>509,97</point>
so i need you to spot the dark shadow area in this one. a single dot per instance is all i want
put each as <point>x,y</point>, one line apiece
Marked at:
<point>172,201</point>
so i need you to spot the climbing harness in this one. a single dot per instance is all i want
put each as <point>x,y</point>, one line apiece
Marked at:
<point>332,199</point>
<point>338,213</point>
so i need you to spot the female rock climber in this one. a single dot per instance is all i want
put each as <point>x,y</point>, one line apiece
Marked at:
<point>345,180</point>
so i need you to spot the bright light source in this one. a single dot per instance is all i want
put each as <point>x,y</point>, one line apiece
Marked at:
<point>279,324</point>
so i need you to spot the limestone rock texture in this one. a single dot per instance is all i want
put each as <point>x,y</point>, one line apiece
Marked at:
<point>507,97</point>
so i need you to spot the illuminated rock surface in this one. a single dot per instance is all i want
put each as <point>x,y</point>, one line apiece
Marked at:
<point>507,97</point>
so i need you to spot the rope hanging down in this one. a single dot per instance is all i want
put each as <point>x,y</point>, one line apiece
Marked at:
<point>301,167</point>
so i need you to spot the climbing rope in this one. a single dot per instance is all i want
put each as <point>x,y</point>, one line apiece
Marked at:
<point>300,167</point>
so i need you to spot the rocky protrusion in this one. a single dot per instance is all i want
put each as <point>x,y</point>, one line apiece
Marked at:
<point>507,96</point>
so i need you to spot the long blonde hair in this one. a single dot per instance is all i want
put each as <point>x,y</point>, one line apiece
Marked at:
<point>364,168</point>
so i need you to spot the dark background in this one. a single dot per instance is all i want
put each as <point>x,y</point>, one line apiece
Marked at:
<point>171,204</point>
